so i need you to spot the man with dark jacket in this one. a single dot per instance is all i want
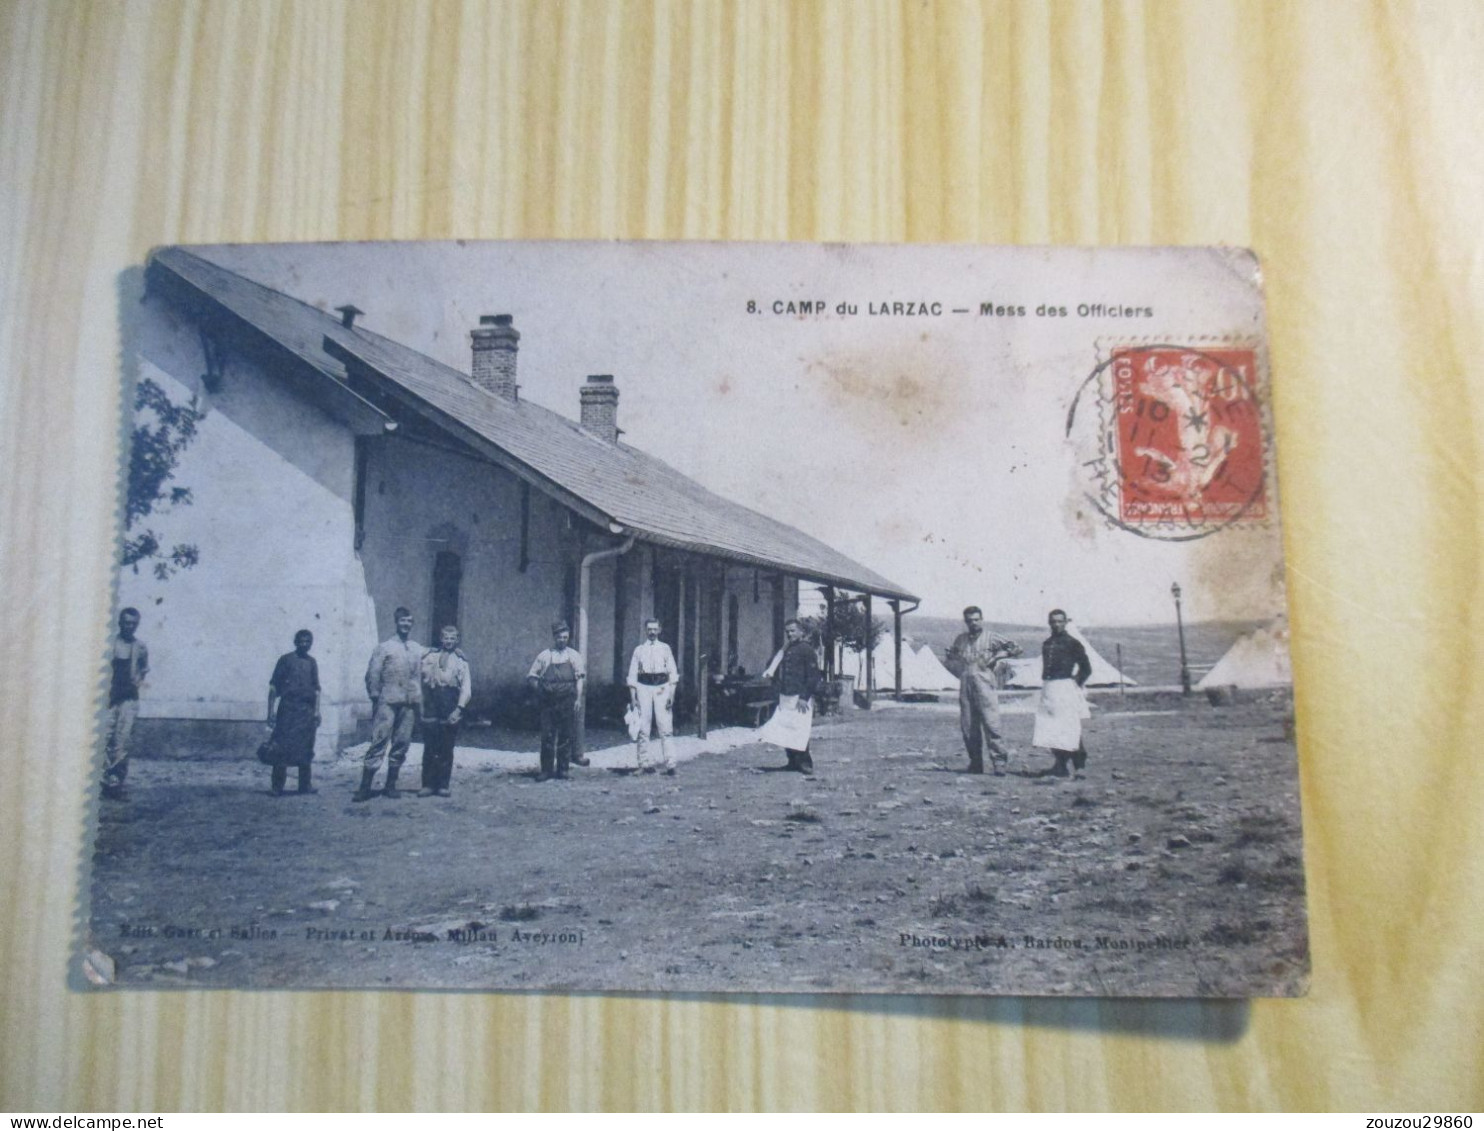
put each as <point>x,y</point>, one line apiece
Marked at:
<point>1065,670</point>
<point>795,670</point>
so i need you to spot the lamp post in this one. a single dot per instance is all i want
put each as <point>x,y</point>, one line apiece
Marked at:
<point>1180,625</point>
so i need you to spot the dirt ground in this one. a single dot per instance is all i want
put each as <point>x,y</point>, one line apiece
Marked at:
<point>1174,867</point>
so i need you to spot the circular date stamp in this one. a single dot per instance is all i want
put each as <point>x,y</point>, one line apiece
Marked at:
<point>1173,439</point>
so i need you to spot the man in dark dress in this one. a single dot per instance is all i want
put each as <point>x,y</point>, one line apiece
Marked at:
<point>129,669</point>
<point>293,713</point>
<point>556,679</point>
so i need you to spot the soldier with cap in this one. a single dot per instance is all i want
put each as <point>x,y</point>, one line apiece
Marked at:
<point>394,683</point>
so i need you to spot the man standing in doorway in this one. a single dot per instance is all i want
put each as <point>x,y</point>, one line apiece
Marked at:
<point>652,680</point>
<point>394,682</point>
<point>129,669</point>
<point>556,678</point>
<point>1065,668</point>
<point>446,692</point>
<point>973,658</point>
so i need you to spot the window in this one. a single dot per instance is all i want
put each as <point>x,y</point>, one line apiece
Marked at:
<point>363,460</point>
<point>734,656</point>
<point>448,574</point>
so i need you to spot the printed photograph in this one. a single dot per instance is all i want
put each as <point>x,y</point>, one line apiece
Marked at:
<point>699,618</point>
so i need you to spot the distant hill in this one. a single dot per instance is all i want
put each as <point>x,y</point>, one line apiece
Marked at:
<point>1151,653</point>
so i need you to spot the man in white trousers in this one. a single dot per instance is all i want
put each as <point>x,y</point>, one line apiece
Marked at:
<point>652,680</point>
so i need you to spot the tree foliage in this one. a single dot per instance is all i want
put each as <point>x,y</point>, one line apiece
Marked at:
<point>848,620</point>
<point>162,430</point>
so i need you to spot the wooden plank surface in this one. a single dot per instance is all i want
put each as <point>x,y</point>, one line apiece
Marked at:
<point>1339,140</point>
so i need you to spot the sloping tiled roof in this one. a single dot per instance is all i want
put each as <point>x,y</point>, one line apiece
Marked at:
<point>638,492</point>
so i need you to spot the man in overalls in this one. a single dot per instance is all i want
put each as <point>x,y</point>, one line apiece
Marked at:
<point>972,658</point>
<point>556,679</point>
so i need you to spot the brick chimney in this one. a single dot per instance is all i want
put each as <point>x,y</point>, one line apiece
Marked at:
<point>495,342</point>
<point>600,407</point>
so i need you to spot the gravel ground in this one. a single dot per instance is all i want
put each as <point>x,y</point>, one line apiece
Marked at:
<point>1173,868</point>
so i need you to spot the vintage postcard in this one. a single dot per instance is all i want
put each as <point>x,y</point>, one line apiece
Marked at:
<point>698,617</point>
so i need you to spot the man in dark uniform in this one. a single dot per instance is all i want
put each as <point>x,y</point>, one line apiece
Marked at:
<point>1064,669</point>
<point>796,671</point>
<point>556,678</point>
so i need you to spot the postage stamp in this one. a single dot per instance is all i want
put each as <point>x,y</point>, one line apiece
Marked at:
<point>696,617</point>
<point>1184,447</point>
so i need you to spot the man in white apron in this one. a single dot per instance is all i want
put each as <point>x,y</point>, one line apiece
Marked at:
<point>796,670</point>
<point>1064,669</point>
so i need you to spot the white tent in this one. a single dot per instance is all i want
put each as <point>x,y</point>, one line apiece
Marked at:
<point>924,671</point>
<point>1026,671</point>
<point>921,670</point>
<point>1258,659</point>
<point>853,663</point>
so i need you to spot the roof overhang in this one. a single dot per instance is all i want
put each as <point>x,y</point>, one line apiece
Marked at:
<point>322,385</point>
<point>346,375</point>
<point>357,365</point>
<point>771,565</point>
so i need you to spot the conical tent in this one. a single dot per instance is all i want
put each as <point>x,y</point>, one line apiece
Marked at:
<point>921,669</point>
<point>853,664</point>
<point>924,671</point>
<point>1026,671</point>
<point>886,671</point>
<point>1258,659</point>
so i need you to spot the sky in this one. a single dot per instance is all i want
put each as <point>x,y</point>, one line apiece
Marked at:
<point>931,447</point>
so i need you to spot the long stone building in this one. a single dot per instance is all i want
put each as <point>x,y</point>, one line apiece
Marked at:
<point>337,474</point>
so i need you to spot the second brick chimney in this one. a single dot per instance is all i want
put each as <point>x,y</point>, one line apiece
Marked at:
<point>495,342</point>
<point>600,407</point>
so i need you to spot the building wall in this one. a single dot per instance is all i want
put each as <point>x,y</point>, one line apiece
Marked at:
<point>422,499</point>
<point>755,647</point>
<point>271,480</point>
<point>274,519</point>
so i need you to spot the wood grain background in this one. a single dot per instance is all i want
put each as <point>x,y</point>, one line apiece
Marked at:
<point>1340,140</point>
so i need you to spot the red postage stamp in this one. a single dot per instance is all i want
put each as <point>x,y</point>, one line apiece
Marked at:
<point>1189,437</point>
